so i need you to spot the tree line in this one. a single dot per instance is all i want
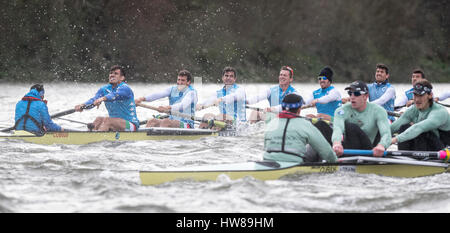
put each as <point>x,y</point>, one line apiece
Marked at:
<point>78,40</point>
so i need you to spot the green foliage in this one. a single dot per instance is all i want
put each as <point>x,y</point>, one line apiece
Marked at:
<point>78,40</point>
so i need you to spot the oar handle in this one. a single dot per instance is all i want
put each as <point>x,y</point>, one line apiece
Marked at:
<point>70,111</point>
<point>443,154</point>
<point>396,114</point>
<point>147,106</point>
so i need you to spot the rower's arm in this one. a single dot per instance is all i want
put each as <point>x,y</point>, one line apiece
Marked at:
<point>338,125</point>
<point>384,128</point>
<point>389,94</point>
<point>258,98</point>
<point>405,118</point>
<point>158,95</point>
<point>99,94</point>
<point>432,122</point>
<point>47,120</point>
<point>320,145</point>
<point>238,96</point>
<point>444,96</point>
<point>401,100</point>
<point>333,95</point>
<point>188,99</point>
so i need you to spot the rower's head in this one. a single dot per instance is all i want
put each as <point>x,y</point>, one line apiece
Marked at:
<point>286,76</point>
<point>325,77</point>
<point>381,73</point>
<point>359,93</point>
<point>423,94</point>
<point>184,78</point>
<point>229,75</point>
<point>39,88</point>
<point>116,75</point>
<point>417,75</point>
<point>292,103</point>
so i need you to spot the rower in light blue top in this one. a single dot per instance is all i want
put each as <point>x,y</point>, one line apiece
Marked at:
<point>119,101</point>
<point>326,99</point>
<point>381,92</point>
<point>230,99</point>
<point>274,95</point>
<point>182,102</point>
<point>406,98</point>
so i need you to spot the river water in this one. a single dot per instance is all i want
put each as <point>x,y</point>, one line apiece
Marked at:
<point>103,177</point>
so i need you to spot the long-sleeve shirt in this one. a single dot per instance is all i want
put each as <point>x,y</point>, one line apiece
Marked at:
<point>188,99</point>
<point>119,102</point>
<point>274,95</point>
<point>233,101</point>
<point>432,119</point>
<point>289,144</point>
<point>329,99</point>
<point>371,120</point>
<point>444,96</point>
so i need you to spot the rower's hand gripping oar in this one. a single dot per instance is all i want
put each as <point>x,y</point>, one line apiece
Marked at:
<point>56,115</point>
<point>441,155</point>
<point>219,124</point>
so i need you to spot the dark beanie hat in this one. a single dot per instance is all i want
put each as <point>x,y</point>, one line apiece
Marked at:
<point>38,87</point>
<point>327,72</point>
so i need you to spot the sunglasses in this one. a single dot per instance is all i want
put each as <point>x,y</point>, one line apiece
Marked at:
<point>322,78</point>
<point>355,93</point>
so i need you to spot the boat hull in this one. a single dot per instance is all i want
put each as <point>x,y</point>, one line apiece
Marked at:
<point>276,170</point>
<point>79,137</point>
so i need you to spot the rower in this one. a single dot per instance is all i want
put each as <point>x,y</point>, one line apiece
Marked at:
<point>32,112</point>
<point>406,99</point>
<point>381,92</point>
<point>182,101</point>
<point>293,139</point>
<point>426,125</point>
<point>360,124</point>
<point>274,94</point>
<point>230,100</point>
<point>326,99</point>
<point>119,101</point>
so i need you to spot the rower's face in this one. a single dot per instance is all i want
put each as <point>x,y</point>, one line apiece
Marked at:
<point>115,77</point>
<point>415,78</point>
<point>422,102</point>
<point>324,83</point>
<point>381,75</point>
<point>358,102</point>
<point>229,78</point>
<point>182,81</point>
<point>284,77</point>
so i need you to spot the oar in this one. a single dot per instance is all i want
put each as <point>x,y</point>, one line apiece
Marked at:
<point>263,110</point>
<point>399,107</point>
<point>396,114</point>
<point>219,124</point>
<point>74,121</point>
<point>445,105</point>
<point>70,111</point>
<point>60,114</point>
<point>442,154</point>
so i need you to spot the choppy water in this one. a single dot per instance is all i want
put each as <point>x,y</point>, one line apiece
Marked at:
<point>103,177</point>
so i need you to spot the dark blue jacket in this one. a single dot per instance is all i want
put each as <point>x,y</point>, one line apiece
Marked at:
<point>38,110</point>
